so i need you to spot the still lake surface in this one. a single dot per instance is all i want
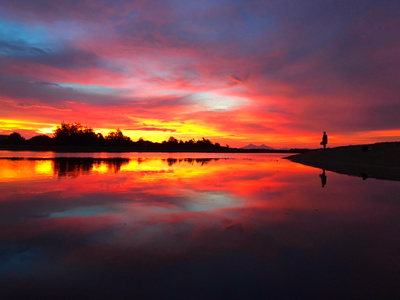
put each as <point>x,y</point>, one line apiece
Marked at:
<point>193,226</point>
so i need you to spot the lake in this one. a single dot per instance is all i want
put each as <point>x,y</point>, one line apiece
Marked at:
<point>193,226</point>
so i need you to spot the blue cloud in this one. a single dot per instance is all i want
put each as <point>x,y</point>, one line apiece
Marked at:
<point>19,40</point>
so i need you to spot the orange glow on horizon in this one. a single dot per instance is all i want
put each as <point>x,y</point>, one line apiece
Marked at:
<point>198,129</point>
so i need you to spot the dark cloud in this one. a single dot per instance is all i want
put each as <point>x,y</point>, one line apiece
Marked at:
<point>380,117</point>
<point>49,11</point>
<point>67,58</point>
<point>14,49</point>
<point>50,92</point>
<point>237,79</point>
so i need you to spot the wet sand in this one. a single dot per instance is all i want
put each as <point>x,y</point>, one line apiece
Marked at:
<point>380,161</point>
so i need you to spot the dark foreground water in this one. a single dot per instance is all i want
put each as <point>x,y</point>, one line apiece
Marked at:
<point>193,226</point>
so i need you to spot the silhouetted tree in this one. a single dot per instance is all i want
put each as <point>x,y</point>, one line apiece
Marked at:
<point>15,139</point>
<point>100,137</point>
<point>117,138</point>
<point>172,140</point>
<point>189,143</point>
<point>40,140</point>
<point>75,134</point>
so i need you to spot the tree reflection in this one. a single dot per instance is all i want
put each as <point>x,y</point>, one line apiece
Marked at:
<point>201,161</point>
<point>76,166</point>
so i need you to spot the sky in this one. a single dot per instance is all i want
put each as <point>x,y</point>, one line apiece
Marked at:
<point>233,71</point>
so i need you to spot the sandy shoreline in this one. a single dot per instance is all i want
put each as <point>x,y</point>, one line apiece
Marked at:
<point>380,161</point>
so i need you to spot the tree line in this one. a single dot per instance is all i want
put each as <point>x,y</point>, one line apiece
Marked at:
<point>78,135</point>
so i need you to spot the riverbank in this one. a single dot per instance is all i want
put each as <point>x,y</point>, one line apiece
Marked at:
<point>86,149</point>
<point>380,160</point>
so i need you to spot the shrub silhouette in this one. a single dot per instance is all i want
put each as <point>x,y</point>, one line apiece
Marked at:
<point>75,135</point>
<point>15,139</point>
<point>40,140</point>
<point>78,135</point>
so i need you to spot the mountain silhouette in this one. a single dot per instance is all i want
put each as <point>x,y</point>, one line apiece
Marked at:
<point>252,146</point>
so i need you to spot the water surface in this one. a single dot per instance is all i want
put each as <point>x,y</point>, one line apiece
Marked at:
<point>193,226</point>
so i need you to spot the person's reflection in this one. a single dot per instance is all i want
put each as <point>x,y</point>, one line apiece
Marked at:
<point>323,178</point>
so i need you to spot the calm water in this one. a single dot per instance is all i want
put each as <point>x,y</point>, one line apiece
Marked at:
<point>193,226</point>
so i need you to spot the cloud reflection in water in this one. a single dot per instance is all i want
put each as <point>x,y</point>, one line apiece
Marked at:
<point>222,228</point>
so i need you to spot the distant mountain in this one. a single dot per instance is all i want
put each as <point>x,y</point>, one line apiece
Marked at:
<point>263,146</point>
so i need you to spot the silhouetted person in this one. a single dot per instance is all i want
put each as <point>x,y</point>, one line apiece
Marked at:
<point>323,178</point>
<point>324,140</point>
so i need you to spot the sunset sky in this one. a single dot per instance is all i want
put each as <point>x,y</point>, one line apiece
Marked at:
<point>233,71</point>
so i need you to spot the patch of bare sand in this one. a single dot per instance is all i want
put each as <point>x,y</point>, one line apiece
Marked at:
<point>380,161</point>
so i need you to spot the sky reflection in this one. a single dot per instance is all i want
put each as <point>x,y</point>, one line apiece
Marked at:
<point>215,228</point>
